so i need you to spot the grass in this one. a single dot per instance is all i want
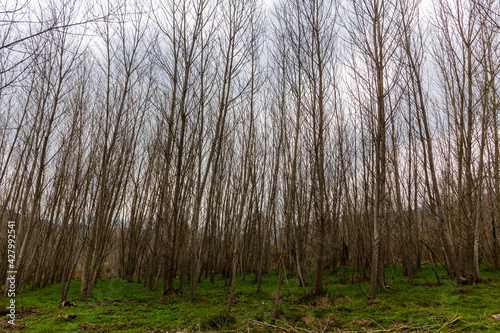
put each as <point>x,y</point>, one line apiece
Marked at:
<point>119,306</point>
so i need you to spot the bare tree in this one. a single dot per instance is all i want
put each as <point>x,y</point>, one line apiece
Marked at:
<point>373,31</point>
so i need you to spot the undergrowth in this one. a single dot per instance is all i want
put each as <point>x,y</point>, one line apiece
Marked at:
<point>119,306</point>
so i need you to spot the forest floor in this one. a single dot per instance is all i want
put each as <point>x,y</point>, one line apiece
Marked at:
<point>119,306</point>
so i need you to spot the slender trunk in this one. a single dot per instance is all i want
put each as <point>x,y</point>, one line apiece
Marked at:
<point>278,292</point>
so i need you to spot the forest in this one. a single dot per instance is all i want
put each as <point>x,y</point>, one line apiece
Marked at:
<point>185,143</point>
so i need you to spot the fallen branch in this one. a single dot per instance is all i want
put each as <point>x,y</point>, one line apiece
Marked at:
<point>432,261</point>
<point>359,285</point>
<point>269,325</point>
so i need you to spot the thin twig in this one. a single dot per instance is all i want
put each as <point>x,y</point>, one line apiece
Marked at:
<point>295,328</point>
<point>450,322</point>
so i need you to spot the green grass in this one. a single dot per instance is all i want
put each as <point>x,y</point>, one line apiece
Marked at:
<point>119,306</point>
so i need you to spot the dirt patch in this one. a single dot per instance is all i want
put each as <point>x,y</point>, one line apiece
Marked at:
<point>20,313</point>
<point>110,312</point>
<point>86,327</point>
<point>107,303</point>
<point>27,311</point>
<point>330,324</point>
<point>6,327</point>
